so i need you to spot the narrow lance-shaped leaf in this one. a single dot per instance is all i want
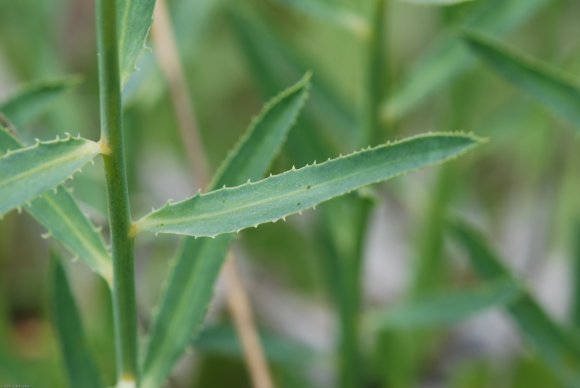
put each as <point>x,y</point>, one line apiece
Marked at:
<point>556,90</point>
<point>331,12</point>
<point>327,123</point>
<point>80,364</point>
<point>33,98</point>
<point>436,2</point>
<point>560,350</point>
<point>134,19</point>
<point>222,340</point>
<point>232,209</point>
<point>62,216</point>
<point>447,309</point>
<point>447,59</point>
<point>189,287</point>
<point>28,172</point>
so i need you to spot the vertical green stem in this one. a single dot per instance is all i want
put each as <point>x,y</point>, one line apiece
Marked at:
<point>376,75</point>
<point>117,194</point>
<point>350,362</point>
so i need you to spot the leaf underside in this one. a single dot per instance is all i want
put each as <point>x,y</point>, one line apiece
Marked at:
<point>556,90</point>
<point>28,172</point>
<point>189,287</point>
<point>233,209</point>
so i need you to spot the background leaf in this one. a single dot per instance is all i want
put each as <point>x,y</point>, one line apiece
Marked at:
<point>436,2</point>
<point>559,349</point>
<point>222,339</point>
<point>556,90</point>
<point>442,310</point>
<point>134,21</point>
<point>273,64</point>
<point>80,365</point>
<point>331,12</point>
<point>447,59</point>
<point>33,98</point>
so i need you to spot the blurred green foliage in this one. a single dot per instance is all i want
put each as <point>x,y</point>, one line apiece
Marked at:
<point>522,187</point>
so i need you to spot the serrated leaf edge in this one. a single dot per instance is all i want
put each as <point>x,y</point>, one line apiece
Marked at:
<point>142,223</point>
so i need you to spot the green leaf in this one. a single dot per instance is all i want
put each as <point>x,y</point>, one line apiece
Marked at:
<point>28,172</point>
<point>232,209</point>
<point>62,216</point>
<point>80,365</point>
<point>134,22</point>
<point>189,287</point>
<point>448,58</point>
<point>436,2</point>
<point>184,303</point>
<point>327,123</point>
<point>560,350</point>
<point>222,340</point>
<point>331,12</point>
<point>33,98</point>
<point>441,310</point>
<point>556,90</point>
<point>429,271</point>
<point>267,132</point>
<point>65,221</point>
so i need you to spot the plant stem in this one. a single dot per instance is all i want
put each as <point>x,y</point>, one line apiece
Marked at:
<point>376,71</point>
<point>124,306</point>
<point>350,362</point>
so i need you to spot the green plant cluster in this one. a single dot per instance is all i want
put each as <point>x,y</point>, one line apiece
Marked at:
<point>430,95</point>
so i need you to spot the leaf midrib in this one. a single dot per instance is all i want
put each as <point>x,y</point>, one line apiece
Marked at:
<point>279,198</point>
<point>46,165</point>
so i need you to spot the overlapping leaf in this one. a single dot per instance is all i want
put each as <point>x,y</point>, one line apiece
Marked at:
<point>28,172</point>
<point>64,220</point>
<point>31,99</point>
<point>80,365</point>
<point>327,123</point>
<point>331,12</point>
<point>447,309</point>
<point>447,59</point>
<point>559,349</point>
<point>220,339</point>
<point>436,2</point>
<point>134,19</point>
<point>232,209</point>
<point>190,285</point>
<point>554,89</point>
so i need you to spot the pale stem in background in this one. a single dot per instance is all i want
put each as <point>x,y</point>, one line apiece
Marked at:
<point>238,302</point>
